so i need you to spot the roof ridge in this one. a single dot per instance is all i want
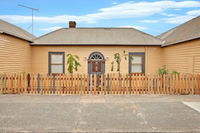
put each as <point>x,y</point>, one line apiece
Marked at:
<point>131,28</point>
<point>100,28</point>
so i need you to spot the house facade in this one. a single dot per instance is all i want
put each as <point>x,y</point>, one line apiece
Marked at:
<point>96,48</point>
<point>178,49</point>
<point>147,57</point>
<point>15,49</point>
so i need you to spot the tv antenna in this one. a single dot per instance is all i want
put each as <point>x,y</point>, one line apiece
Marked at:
<point>32,9</point>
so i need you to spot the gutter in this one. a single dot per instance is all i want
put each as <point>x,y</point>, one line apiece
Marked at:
<point>33,44</point>
<point>7,33</point>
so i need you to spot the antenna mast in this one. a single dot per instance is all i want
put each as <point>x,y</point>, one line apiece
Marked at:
<point>32,9</point>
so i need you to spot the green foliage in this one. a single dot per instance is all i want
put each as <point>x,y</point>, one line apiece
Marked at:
<point>73,63</point>
<point>112,66</point>
<point>163,70</point>
<point>175,72</point>
<point>117,59</point>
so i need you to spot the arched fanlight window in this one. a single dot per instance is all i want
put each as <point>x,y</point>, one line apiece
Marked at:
<point>96,56</point>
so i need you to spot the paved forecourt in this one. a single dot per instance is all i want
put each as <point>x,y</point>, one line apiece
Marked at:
<point>122,113</point>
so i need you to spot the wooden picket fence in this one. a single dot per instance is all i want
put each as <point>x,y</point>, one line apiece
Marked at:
<point>99,84</point>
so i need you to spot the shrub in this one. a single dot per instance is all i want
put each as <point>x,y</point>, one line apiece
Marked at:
<point>175,72</point>
<point>163,70</point>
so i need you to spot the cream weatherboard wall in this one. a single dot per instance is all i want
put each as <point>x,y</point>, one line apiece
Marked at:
<point>15,54</point>
<point>183,57</point>
<point>39,56</point>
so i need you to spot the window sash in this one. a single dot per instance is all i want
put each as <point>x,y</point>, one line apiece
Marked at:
<point>136,59</point>
<point>56,58</point>
<point>56,68</point>
<point>139,62</point>
<point>136,68</point>
<point>56,62</point>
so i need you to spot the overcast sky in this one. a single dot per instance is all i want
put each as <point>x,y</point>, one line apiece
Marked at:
<point>150,16</point>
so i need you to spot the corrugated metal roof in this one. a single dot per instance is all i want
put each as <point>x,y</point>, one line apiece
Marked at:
<point>185,32</point>
<point>97,36</point>
<point>13,30</point>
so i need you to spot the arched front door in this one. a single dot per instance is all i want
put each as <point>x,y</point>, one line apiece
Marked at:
<point>96,63</point>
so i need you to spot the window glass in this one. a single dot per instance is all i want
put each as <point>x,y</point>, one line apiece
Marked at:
<point>56,59</point>
<point>56,68</point>
<point>136,68</point>
<point>136,60</point>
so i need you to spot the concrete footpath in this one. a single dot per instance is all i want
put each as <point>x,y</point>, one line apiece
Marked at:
<point>114,113</point>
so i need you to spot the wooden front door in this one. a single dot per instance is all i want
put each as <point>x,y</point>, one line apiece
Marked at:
<point>96,63</point>
<point>96,66</point>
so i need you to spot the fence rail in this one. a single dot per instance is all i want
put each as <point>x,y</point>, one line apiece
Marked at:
<point>99,84</point>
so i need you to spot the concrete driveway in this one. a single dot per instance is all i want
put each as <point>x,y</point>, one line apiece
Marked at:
<point>115,113</point>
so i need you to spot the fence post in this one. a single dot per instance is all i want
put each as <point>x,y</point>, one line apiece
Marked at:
<point>5,83</point>
<point>126,84</point>
<point>147,84</point>
<point>54,83</point>
<point>198,83</point>
<point>191,84</point>
<point>81,84</point>
<point>98,83</point>
<point>95,84</point>
<point>28,82</point>
<point>130,83</point>
<point>163,80</point>
<point>90,85</point>
<point>38,80</point>
<point>0,83</point>
<point>108,84</point>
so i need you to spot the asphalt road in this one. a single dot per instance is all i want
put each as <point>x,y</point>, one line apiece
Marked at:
<point>115,113</point>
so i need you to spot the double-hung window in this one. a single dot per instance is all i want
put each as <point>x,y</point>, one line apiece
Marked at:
<point>56,62</point>
<point>136,62</point>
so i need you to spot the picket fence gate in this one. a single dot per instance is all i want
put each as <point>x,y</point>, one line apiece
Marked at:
<point>112,83</point>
